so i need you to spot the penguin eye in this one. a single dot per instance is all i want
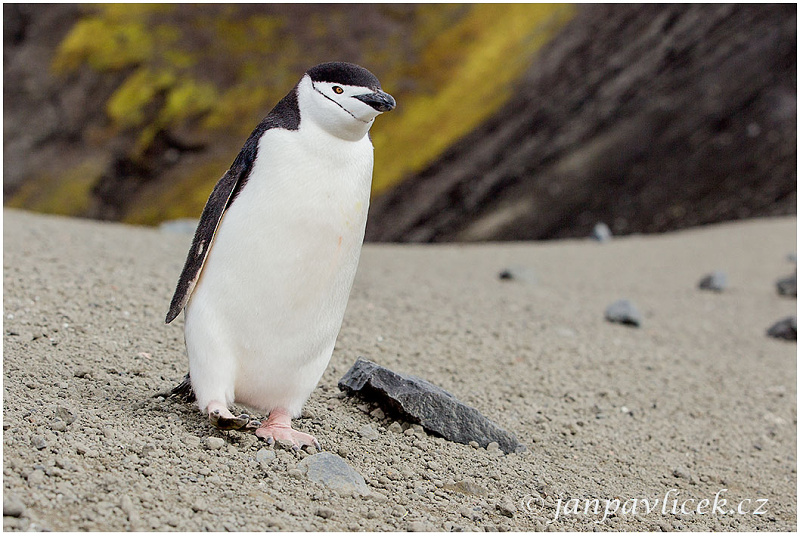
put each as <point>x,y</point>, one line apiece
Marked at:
<point>338,90</point>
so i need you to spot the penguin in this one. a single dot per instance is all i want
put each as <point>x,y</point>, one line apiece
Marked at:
<point>269,271</point>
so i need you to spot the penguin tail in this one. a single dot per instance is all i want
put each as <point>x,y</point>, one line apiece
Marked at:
<point>183,391</point>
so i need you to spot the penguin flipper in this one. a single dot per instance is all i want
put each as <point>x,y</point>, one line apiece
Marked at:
<point>218,202</point>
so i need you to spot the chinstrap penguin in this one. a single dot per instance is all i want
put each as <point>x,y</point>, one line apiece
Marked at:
<point>269,272</point>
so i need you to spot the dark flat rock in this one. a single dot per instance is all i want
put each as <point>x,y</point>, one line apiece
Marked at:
<point>419,401</point>
<point>784,329</point>
<point>716,281</point>
<point>787,286</point>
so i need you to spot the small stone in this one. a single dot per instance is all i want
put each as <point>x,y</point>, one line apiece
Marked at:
<point>37,476</point>
<point>623,312</point>
<point>378,414</point>
<point>200,505</point>
<point>419,526</point>
<point>334,473</point>
<point>265,455</point>
<point>191,441</point>
<point>716,281</point>
<point>38,442</point>
<point>148,471</point>
<point>368,432</point>
<point>12,506</point>
<point>285,444</point>
<point>473,514</point>
<point>681,472</point>
<point>787,286</point>
<point>58,425</point>
<point>517,273</point>
<point>214,443</point>
<point>784,329</point>
<point>474,444</point>
<point>601,232</point>
<point>66,414</point>
<point>506,507</point>
<point>396,428</point>
<point>492,446</point>
<point>325,513</point>
<point>399,511</point>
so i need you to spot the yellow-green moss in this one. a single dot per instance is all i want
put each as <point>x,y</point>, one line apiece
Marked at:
<point>68,193</point>
<point>453,71</point>
<point>477,61</point>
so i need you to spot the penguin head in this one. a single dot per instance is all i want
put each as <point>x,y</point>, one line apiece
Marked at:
<point>342,98</point>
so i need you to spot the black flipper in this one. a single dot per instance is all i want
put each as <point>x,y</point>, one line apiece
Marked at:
<point>285,115</point>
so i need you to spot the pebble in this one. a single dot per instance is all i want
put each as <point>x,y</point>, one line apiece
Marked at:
<point>787,286</point>
<point>716,281</point>
<point>325,513</point>
<point>214,443</point>
<point>58,425</point>
<point>285,444</point>
<point>493,446</point>
<point>517,273</point>
<point>368,432</point>
<point>473,514</point>
<point>419,526</point>
<point>623,312</point>
<point>506,507</point>
<point>334,473</point>
<point>601,232</point>
<point>38,442</point>
<point>396,428</point>
<point>378,414</point>
<point>36,476</point>
<point>265,455</point>
<point>191,441</point>
<point>66,414</point>
<point>12,506</point>
<point>784,329</point>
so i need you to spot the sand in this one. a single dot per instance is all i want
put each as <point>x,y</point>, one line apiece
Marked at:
<point>697,405</point>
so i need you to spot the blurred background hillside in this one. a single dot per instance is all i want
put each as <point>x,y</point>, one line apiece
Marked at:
<point>513,122</point>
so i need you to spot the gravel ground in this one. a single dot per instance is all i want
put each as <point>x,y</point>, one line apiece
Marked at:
<point>696,404</point>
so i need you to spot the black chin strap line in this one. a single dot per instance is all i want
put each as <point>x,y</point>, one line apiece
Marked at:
<point>337,104</point>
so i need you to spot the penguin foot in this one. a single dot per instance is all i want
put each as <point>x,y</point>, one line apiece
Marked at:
<point>278,427</point>
<point>224,422</point>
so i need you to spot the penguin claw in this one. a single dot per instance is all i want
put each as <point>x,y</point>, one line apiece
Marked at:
<point>228,423</point>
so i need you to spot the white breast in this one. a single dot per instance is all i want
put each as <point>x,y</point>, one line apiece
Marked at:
<point>275,285</point>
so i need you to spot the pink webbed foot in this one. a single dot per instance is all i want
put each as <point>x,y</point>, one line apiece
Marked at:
<point>279,427</point>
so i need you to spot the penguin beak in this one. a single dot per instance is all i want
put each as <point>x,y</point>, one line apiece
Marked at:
<point>380,101</point>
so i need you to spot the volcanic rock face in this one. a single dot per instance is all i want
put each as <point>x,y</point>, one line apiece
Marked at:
<point>647,117</point>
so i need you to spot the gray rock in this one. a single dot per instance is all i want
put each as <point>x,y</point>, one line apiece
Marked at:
<point>334,473</point>
<point>12,506</point>
<point>517,273</point>
<point>417,400</point>
<point>325,513</point>
<point>65,414</point>
<point>214,443</point>
<point>784,329</point>
<point>368,432</point>
<point>624,312</point>
<point>716,281</point>
<point>265,455</point>
<point>38,442</point>
<point>58,425</point>
<point>601,232</point>
<point>787,286</point>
